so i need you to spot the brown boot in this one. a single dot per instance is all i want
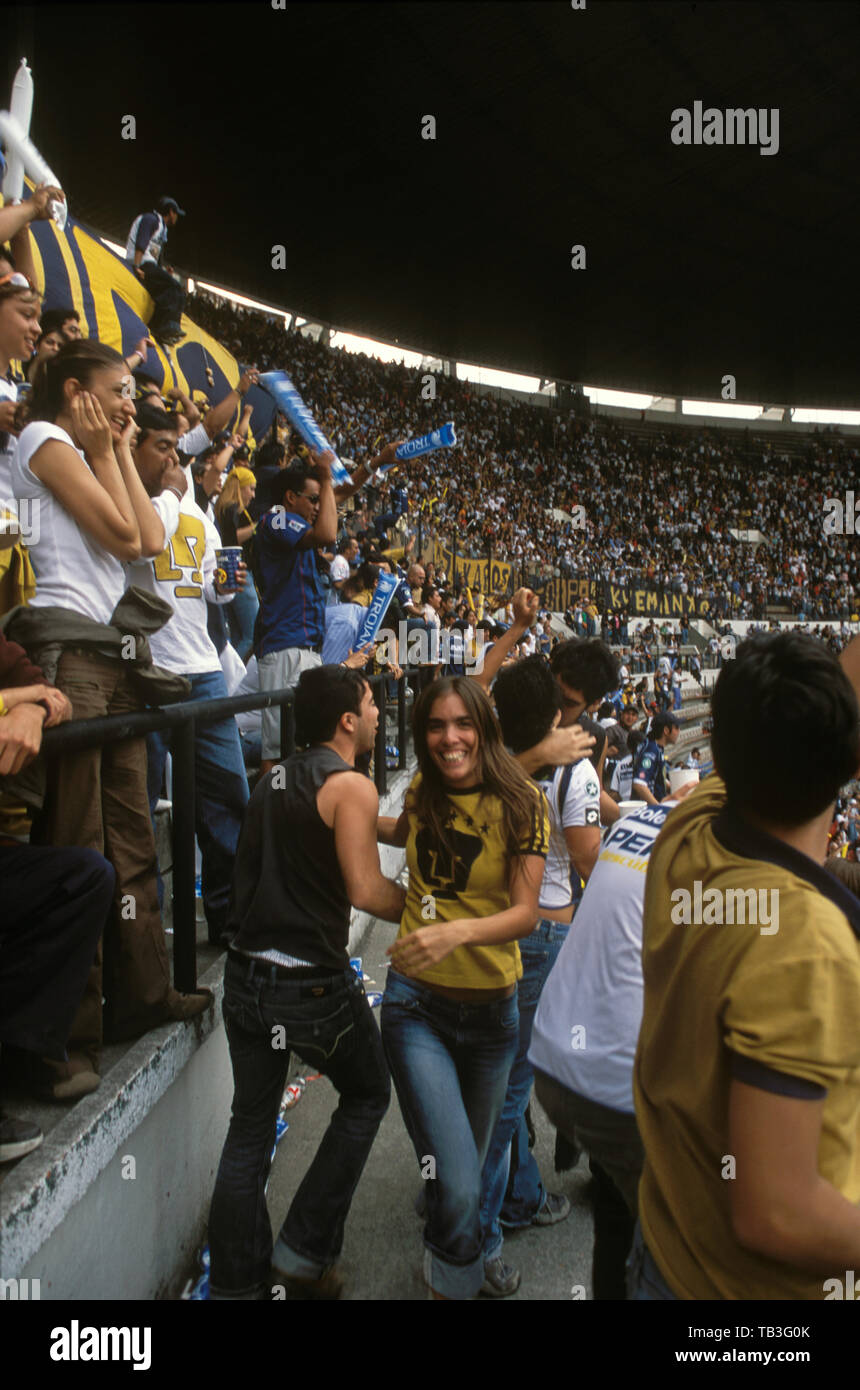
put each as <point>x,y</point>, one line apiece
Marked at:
<point>46,1079</point>
<point>179,1007</point>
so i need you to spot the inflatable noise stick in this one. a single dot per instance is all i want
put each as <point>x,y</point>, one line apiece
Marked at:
<point>443,438</point>
<point>19,144</point>
<point>279,385</point>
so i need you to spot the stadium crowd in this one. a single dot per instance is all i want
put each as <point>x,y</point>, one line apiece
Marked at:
<point>658,507</point>
<point>543,791</point>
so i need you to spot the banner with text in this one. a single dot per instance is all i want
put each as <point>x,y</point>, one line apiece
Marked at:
<point>638,600</point>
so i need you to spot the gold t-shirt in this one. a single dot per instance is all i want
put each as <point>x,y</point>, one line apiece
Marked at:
<point>728,998</point>
<point>475,884</point>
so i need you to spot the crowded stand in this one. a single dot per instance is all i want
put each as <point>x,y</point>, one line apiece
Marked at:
<point>556,756</point>
<point>658,506</point>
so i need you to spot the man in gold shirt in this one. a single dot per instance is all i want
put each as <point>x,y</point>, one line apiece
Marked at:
<point>747,1078</point>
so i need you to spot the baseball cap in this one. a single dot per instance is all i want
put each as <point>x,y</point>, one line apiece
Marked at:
<point>170,205</point>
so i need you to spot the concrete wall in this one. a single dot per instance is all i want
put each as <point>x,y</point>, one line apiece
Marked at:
<point>73,1221</point>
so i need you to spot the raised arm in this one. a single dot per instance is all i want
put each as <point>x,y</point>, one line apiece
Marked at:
<point>15,222</point>
<point>220,415</point>
<point>152,536</point>
<point>525,605</point>
<point>100,504</point>
<point>365,471</point>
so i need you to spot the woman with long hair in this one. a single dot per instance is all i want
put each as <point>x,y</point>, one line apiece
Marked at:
<point>74,464</point>
<point>237,527</point>
<point>476,832</point>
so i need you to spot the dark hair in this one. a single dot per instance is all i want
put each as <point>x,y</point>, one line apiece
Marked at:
<point>785,727</point>
<point>607,710</point>
<point>527,701</point>
<point>323,694</point>
<point>150,418</point>
<point>294,477</point>
<point>585,664</point>
<point>269,455</point>
<point>498,773</point>
<point>80,359</point>
<point>53,319</point>
<point>634,739</point>
<point>662,722</point>
<point>364,577</point>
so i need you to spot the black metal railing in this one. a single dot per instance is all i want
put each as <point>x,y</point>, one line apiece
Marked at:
<point>182,719</point>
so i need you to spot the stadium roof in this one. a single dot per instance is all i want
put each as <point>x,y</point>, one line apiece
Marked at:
<point>302,127</point>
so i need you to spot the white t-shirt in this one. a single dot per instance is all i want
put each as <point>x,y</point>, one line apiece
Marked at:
<point>194,441</point>
<point>588,1019</point>
<point>72,570</point>
<point>339,569</point>
<point>8,392</point>
<point>621,780</point>
<point>182,575</point>
<point>581,807</point>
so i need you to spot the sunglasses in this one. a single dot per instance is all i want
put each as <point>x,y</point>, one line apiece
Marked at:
<point>18,280</point>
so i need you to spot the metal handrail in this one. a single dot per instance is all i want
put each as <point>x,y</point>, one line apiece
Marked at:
<point>182,719</point>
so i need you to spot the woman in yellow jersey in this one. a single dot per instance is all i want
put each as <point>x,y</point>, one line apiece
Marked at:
<point>476,832</point>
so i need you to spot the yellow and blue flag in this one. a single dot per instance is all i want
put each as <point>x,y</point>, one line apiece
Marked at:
<point>75,269</point>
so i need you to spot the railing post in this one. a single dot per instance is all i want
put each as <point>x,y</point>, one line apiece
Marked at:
<point>401,722</point>
<point>184,906</point>
<point>288,729</point>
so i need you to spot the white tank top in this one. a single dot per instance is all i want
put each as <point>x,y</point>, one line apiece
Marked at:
<point>72,570</point>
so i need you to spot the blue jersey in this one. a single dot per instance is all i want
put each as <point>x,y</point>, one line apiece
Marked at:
<point>650,768</point>
<point>292,596</point>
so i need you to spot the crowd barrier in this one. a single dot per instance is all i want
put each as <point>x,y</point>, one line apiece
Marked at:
<point>182,718</point>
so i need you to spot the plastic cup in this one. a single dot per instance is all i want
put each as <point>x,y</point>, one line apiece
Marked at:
<point>626,808</point>
<point>227,560</point>
<point>680,776</point>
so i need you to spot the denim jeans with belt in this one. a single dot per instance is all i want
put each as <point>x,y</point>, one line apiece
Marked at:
<point>511,1189</point>
<point>327,1022</point>
<point>450,1064</point>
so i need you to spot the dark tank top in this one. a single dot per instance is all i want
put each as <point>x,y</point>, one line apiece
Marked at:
<point>288,890</point>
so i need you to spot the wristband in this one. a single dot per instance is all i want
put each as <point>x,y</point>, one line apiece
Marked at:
<point>3,709</point>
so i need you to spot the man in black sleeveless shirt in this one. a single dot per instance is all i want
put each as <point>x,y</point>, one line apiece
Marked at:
<point>307,851</point>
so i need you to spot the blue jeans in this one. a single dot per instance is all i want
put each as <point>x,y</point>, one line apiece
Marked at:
<point>450,1064</point>
<point>511,1188</point>
<point>645,1283</point>
<point>327,1022</point>
<point>241,615</point>
<point>220,796</point>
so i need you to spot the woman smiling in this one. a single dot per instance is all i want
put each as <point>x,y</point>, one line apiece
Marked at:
<point>476,832</point>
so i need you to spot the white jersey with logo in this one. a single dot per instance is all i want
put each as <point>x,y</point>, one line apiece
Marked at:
<point>587,1024</point>
<point>560,885</point>
<point>622,778</point>
<point>182,574</point>
<point>72,570</point>
<point>156,242</point>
